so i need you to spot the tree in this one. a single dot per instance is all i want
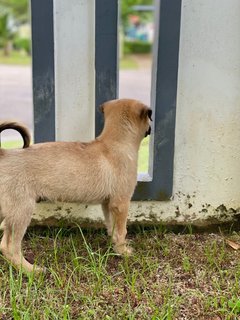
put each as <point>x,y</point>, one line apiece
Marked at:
<point>11,10</point>
<point>6,34</point>
<point>127,8</point>
<point>17,8</point>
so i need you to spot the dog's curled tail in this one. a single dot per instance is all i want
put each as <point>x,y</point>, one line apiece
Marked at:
<point>24,132</point>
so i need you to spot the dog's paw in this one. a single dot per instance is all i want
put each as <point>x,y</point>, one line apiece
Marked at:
<point>39,270</point>
<point>123,249</point>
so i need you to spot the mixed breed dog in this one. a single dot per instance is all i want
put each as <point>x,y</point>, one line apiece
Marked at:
<point>102,171</point>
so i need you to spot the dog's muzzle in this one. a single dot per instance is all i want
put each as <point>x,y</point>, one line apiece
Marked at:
<point>148,132</point>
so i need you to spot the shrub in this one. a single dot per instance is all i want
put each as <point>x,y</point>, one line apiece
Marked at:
<point>22,44</point>
<point>137,47</point>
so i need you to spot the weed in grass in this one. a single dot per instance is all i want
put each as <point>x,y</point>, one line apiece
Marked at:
<point>186,262</point>
<point>215,254</point>
<point>96,262</point>
<point>234,305</point>
<point>165,249</point>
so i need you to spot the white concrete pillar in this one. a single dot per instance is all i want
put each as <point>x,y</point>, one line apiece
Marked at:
<point>207,150</point>
<point>74,69</point>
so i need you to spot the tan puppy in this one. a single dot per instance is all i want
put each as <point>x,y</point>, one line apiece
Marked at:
<point>102,171</point>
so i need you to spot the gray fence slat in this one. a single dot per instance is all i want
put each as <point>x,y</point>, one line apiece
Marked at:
<point>43,70</point>
<point>164,95</point>
<point>106,55</point>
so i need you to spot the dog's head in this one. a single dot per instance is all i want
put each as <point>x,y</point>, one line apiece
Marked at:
<point>130,114</point>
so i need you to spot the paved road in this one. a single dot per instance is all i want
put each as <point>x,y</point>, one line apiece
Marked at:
<point>16,92</point>
<point>135,84</point>
<point>16,95</point>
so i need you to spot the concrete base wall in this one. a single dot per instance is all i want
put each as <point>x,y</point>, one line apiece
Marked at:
<point>184,210</point>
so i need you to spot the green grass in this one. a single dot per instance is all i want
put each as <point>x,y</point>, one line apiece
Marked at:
<point>11,144</point>
<point>143,156</point>
<point>128,62</point>
<point>16,58</point>
<point>170,276</point>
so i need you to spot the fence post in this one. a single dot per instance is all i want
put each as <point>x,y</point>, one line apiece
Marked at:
<point>43,70</point>
<point>106,55</point>
<point>163,101</point>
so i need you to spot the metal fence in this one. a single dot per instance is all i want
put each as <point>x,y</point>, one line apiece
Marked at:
<point>157,184</point>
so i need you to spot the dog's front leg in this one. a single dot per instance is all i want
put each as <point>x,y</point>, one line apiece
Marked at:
<point>118,210</point>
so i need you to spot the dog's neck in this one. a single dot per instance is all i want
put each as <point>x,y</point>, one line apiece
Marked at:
<point>114,136</point>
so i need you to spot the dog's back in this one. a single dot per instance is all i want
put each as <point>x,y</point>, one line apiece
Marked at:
<point>68,171</point>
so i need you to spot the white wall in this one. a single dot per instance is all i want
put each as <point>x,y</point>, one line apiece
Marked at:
<point>207,144</point>
<point>207,153</point>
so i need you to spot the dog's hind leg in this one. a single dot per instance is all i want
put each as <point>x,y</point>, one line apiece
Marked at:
<point>119,212</point>
<point>15,227</point>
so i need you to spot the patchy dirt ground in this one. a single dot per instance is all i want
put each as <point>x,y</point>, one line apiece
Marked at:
<point>170,276</point>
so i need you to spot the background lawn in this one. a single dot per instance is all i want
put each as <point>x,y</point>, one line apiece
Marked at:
<point>16,58</point>
<point>128,62</point>
<point>11,144</point>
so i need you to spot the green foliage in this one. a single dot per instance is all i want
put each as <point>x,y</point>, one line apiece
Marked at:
<point>17,8</point>
<point>22,44</point>
<point>136,47</point>
<point>3,28</point>
<point>6,34</point>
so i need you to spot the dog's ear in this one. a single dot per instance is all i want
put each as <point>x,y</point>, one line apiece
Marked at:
<point>146,112</point>
<point>101,108</point>
<point>150,114</point>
